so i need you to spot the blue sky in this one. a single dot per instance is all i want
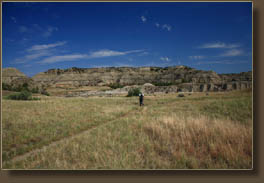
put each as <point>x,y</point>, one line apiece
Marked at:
<point>203,35</point>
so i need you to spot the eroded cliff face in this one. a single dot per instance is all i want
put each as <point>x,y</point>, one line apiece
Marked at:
<point>167,80</point>
<point>15,78</point>
<point>12,74</point>
<point>126,76</point>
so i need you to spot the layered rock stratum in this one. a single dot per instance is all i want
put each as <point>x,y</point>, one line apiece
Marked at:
<point>167,79</point>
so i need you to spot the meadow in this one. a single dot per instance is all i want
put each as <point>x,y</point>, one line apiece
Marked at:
<point>197,131</point>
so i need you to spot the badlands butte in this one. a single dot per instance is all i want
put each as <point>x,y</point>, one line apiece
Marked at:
<point>118,80</point>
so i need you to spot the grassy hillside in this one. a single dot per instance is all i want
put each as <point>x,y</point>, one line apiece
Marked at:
<point>169,132</point>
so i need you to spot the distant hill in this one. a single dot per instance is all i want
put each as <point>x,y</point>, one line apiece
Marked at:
<point>9,74</point>
<point>185,78</point>
<point>14,78</point>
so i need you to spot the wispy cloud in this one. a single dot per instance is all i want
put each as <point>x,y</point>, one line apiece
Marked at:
<point>91,55</point>
<point>23,29</point>
<point>61,58</point>
<point>46,46</point>
<point>157,24</point>
<point>143,19</point>
<point>110,53</point>
<point>219,45</point>
<point>166,26</point>
<point>32,56</point>
<point>105,53</point>
<point>233,52</point>
<point>14,19</point>
<point>38,51</point>
<point>226,62</point>
<point>196,57</point>
<point>35,28</point>
<point>143,53</point>
<point>48,32</point>
<point>166,59</point>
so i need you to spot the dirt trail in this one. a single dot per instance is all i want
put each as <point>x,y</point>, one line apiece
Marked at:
<point>52,144</point>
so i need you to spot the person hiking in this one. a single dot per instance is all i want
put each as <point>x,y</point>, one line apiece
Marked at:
<point>141,97</point>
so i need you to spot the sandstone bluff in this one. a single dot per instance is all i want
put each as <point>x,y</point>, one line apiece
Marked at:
<point>149,79</point>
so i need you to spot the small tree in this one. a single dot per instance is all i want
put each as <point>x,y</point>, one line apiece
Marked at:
<point>133,92</point>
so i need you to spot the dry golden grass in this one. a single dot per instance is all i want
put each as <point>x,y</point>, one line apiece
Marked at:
<point>207,143</point>
<point>115,133</point>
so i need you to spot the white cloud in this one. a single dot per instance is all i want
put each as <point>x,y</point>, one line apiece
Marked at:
<point>231,53</point>
<point>226,62</point>
<point>143,53</point>
<point>110,53</point>
<point>96,54</point>
<point>38,51</point>
<point>46,46</point>
<point>48,32</point>
<point>14,19</point>
<point>219,45</point>
<point>144,19</point>
<point>157,24</point>
<point>37,29</point>
<point>196,57</point>
<point>105,53</point>
<point>23,29</point>
<point>33,56</point>
<point>166,26</point>
<point>62,58</point>
<point>211,62</point>
<point>166,59</point>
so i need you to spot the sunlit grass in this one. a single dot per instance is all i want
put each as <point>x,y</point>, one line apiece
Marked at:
<point>193,132</point>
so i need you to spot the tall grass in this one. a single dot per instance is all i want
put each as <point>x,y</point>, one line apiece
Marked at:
<point>167,133</point>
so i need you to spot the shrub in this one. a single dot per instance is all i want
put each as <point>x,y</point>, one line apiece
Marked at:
<point>35,90</point>
<point>44,92</point>
<point>184,80</point>
<point>180,95</point>
<point>17,89</point>
<point>20,88</point>
<point>163,83</point>
<point>23,95</point>
<point>6,86</point>
<point>25,85</point>
<point>116,85</point>
<point>133,92</point>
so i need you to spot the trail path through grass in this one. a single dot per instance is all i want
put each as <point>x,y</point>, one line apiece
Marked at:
<point>53,144</point>
<point>169,132</point>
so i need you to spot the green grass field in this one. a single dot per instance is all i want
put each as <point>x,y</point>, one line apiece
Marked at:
<point>192,132</point>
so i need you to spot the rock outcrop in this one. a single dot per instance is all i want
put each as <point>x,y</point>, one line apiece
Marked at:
<point>149,79</point>
<point>12,74</point>
<point>126,76</point>
<point>14,78</point>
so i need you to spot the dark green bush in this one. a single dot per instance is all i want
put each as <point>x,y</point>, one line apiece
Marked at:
<point>116,85</point>
<point>44,92</point>
<point>20,88</point>
<point>35,90</point>
<point>163,83</point>
<point>23,95</point>
<point>181,95</point>
<point>133,92</point>
<point>6,86</point>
